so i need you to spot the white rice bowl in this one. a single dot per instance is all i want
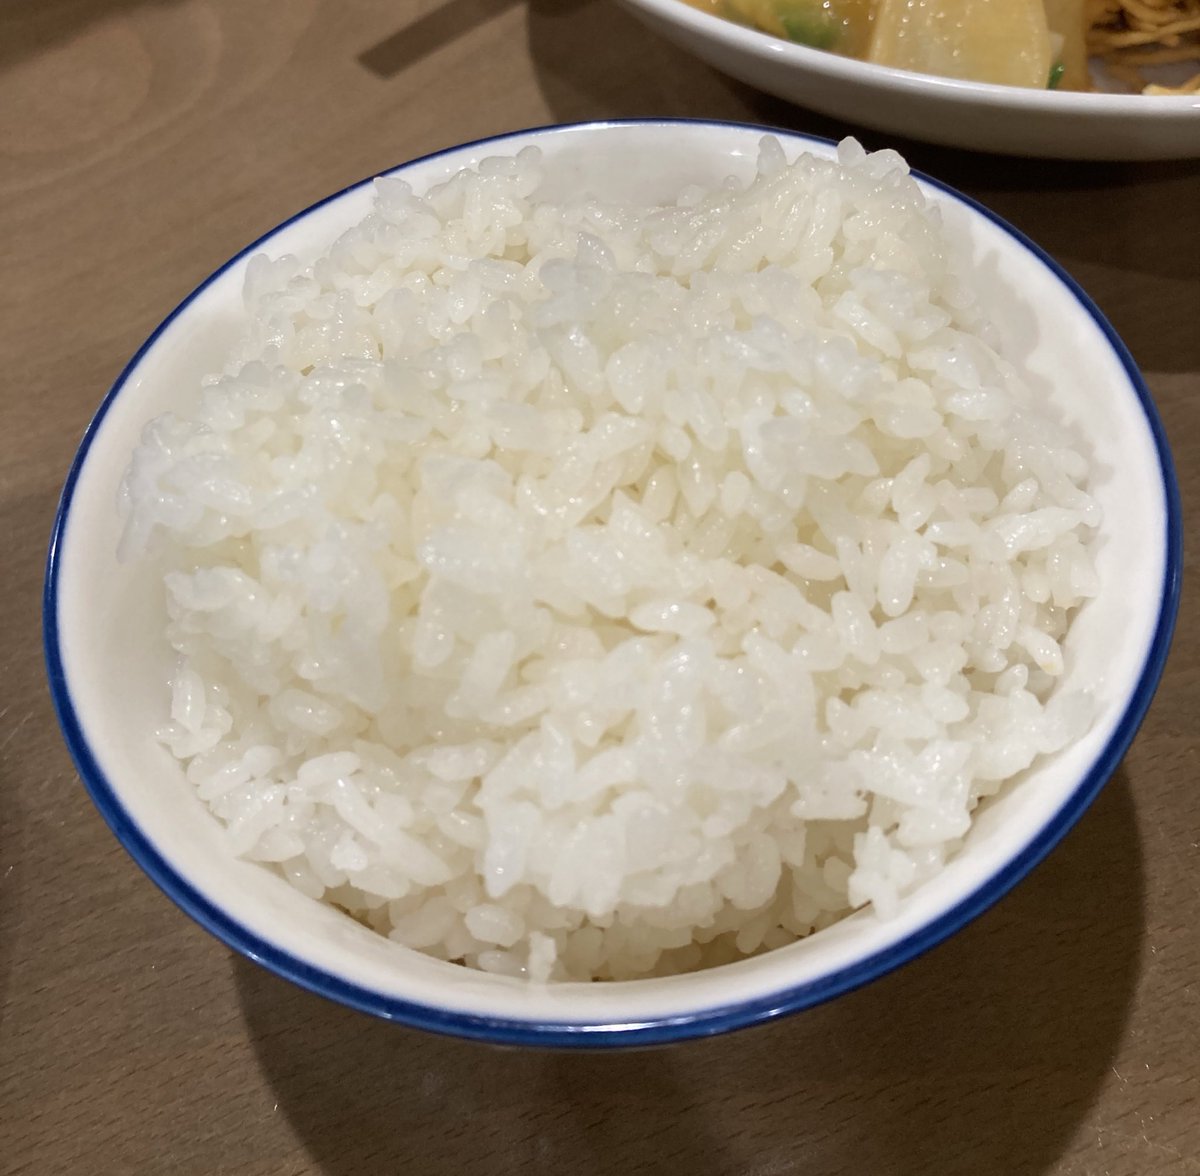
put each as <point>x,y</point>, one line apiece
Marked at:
<point>580,591</point>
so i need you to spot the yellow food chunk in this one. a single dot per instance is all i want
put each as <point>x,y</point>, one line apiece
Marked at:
<point>1068,21</point>
<point>856,18</point>
<point>1001,41</point>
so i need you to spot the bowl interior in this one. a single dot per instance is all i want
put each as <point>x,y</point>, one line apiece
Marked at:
<point>109,664</point>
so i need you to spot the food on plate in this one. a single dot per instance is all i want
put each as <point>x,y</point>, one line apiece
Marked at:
<point>578,590</point>
<point>841,25</point>
<point>1067,23</point>
<point>1001,41</point>
<point>1033,43</point>
<point>1134,36</point>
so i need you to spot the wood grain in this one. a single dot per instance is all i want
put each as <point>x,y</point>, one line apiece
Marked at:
<point>144,141</point>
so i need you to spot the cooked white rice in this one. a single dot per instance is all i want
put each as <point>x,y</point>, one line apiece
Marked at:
<point>579,591</point>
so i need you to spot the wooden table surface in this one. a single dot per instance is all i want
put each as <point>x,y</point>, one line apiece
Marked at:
<point>142,142</point>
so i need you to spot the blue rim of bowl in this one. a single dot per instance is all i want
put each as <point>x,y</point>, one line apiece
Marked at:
<point>659,1030</point>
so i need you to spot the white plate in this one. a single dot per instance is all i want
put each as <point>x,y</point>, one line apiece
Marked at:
<point>1008,119</point>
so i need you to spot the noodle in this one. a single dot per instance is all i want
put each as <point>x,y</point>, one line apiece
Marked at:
<point>1133,34</point>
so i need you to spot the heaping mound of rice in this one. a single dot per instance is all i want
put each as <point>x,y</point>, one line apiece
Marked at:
<point>579,591</point>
